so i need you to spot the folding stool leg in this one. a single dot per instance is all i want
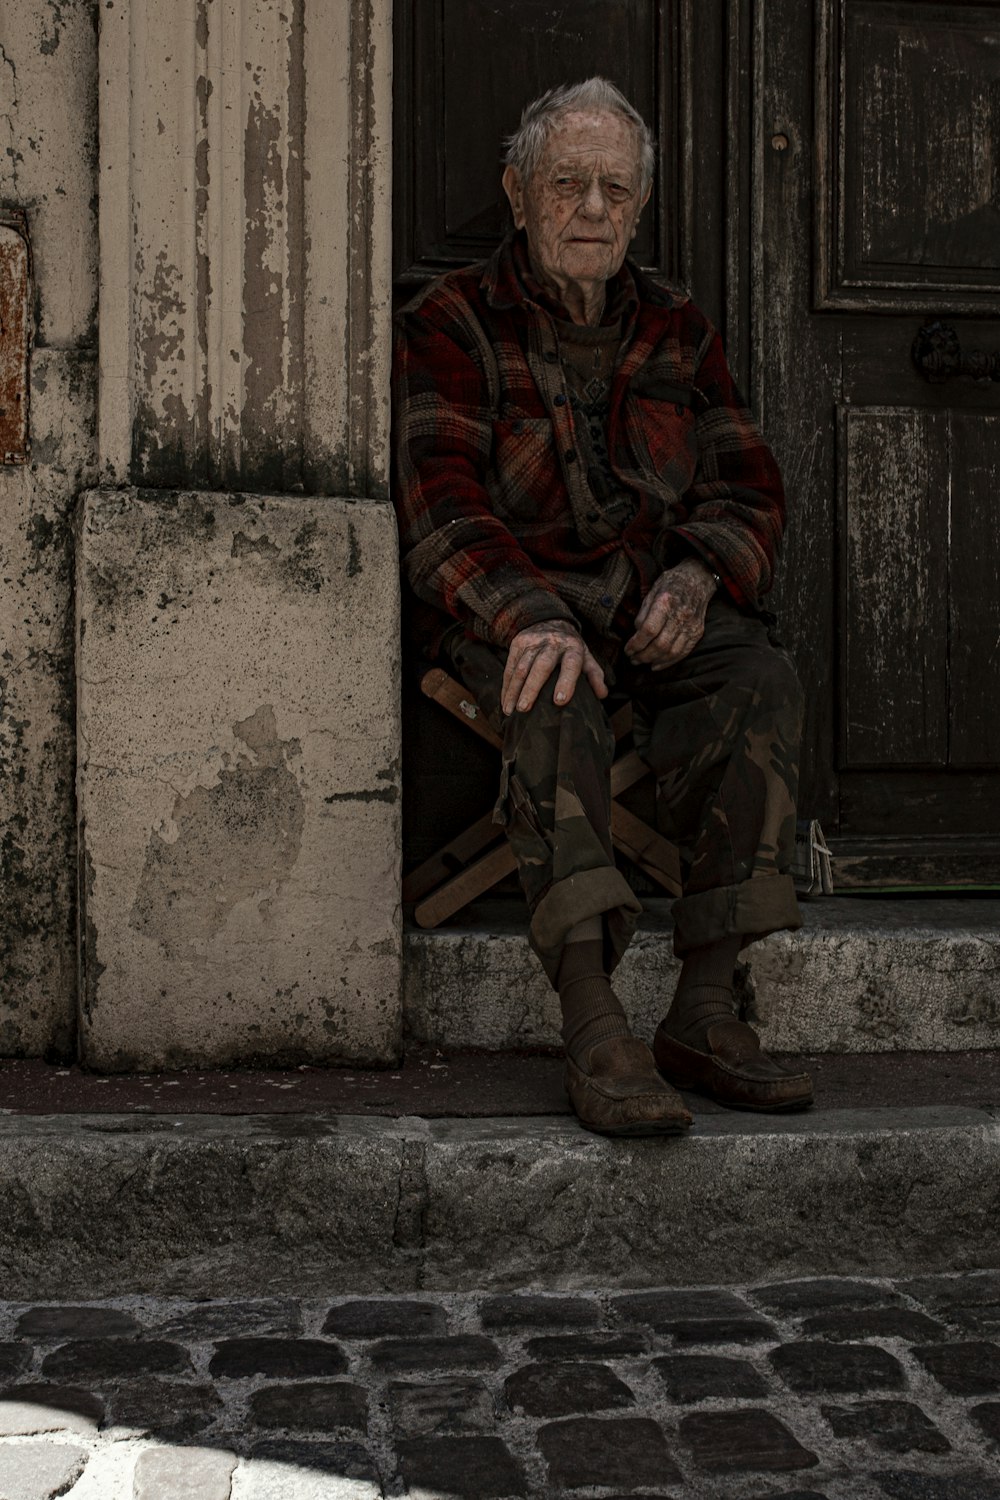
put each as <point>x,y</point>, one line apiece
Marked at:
<point>465,887</point>
<point>449,860</point>
<point>459,702</point>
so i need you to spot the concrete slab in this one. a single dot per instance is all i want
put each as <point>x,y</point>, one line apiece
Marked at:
<point>108,1205</point>
<point>862,975</point>
<point>238,780</point>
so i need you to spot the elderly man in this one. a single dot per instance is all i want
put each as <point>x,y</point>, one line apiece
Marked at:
<point>585,502</point>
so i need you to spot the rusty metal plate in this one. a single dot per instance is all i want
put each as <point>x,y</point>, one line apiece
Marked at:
<point>15,337</point>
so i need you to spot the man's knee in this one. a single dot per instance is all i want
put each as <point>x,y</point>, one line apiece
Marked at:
<point>582,719</point>
<point>768,674</point>
<point>584,707</point>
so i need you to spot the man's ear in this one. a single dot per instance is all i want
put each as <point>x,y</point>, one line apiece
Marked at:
<point>511,180</point>
<point>642,205</point>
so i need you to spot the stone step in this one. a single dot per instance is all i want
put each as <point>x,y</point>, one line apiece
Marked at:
<point>870,1181</point>
<point>862,975</point>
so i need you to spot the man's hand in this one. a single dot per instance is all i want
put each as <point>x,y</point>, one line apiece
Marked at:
<point>533,657</point>
<point>671,620</point>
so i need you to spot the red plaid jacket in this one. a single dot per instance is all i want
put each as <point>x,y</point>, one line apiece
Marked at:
<point>499,527</point>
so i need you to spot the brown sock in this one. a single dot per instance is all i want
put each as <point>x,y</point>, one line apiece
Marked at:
<point>704,992</point>
<point>591,1011</point>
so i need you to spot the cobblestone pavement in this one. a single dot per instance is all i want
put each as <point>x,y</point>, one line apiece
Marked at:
<point>835,1388</point>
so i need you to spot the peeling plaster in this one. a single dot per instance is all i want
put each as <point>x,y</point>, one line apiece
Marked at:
<point>48,91</point>
<point>378,794</point>
<point>245,546</point>
<point>353,552</point>
<point>235,211</point>
<point>8,113</point>
<point>50,41</point>
<point>234,841</point>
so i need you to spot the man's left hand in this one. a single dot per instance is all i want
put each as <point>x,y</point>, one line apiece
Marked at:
<point>671,620</point>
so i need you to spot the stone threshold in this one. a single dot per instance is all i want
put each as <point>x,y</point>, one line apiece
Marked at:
<point>465,1084</point>
<point>862,975</point>
<point>211,1205</point>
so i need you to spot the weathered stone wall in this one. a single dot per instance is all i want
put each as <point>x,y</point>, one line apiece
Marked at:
<point>238,780</point>
<point>48,166</point>
<point>207,190</point>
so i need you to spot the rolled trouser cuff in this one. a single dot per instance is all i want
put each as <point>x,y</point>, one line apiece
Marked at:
<point>752,908</point>
<point>601,892</point>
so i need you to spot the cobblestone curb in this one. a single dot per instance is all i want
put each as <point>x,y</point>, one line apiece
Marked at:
<point>818,1389</point>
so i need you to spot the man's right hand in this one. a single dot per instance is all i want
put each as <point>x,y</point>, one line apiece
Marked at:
<point>535,654</point>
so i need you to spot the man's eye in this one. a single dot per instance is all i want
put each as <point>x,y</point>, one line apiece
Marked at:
<point>619,191</point>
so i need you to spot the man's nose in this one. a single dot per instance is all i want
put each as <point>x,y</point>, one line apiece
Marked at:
<point>592,203</point>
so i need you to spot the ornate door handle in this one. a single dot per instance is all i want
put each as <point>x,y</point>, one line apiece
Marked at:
<point>938,356</point>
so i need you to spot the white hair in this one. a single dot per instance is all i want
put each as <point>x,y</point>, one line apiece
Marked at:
<point>523,147</point>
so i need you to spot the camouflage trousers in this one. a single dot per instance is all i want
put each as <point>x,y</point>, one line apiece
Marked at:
<point>720,731</point>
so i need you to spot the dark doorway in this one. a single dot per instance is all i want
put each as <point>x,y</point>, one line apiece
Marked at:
<point>828,185</point>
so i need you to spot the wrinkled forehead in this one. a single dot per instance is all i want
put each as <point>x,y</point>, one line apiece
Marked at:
<point>589,137</point>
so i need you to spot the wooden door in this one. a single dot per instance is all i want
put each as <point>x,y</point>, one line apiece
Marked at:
<point>464,69</point>
<point>877,263</point>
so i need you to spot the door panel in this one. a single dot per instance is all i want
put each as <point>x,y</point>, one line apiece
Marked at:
<point>917,805</point>
<point>554,41</point>
<point>909,109</point>
<point>895,623</point>
<point>974,590</point>
<point>879,125</point>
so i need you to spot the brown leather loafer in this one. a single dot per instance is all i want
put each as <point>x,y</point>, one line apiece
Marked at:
<point>734,1071</point>
<point>622,1093</point>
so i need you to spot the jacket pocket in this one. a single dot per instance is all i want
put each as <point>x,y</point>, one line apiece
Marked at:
<point>667,434</point>
<point>524,472</point>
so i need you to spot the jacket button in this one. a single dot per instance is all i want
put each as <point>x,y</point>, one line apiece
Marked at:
<point>571,455</point>
<point>551,356</point>
<point>607,601</point>
<point>517,426</point>
<point>559,400</point>
<point>593,515</point>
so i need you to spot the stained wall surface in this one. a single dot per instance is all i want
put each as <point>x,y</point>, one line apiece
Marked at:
<point>238,780</point>
<point>207,192</point>
<point>48,167</point>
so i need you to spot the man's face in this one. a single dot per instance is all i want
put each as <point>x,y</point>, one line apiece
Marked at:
<point>582,203</point>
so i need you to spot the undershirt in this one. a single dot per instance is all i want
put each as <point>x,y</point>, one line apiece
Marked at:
<point>588,355</point>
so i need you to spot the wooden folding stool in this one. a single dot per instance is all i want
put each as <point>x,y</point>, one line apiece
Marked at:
<point>460,871</point>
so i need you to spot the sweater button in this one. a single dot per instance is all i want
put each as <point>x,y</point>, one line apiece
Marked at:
<point>679,409</point>
<point>571,455</point>
<point>593,515</point>
<point>551,356</point>
<point>560,400</point>
<point>607,601</point>
<point>517,426</point>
